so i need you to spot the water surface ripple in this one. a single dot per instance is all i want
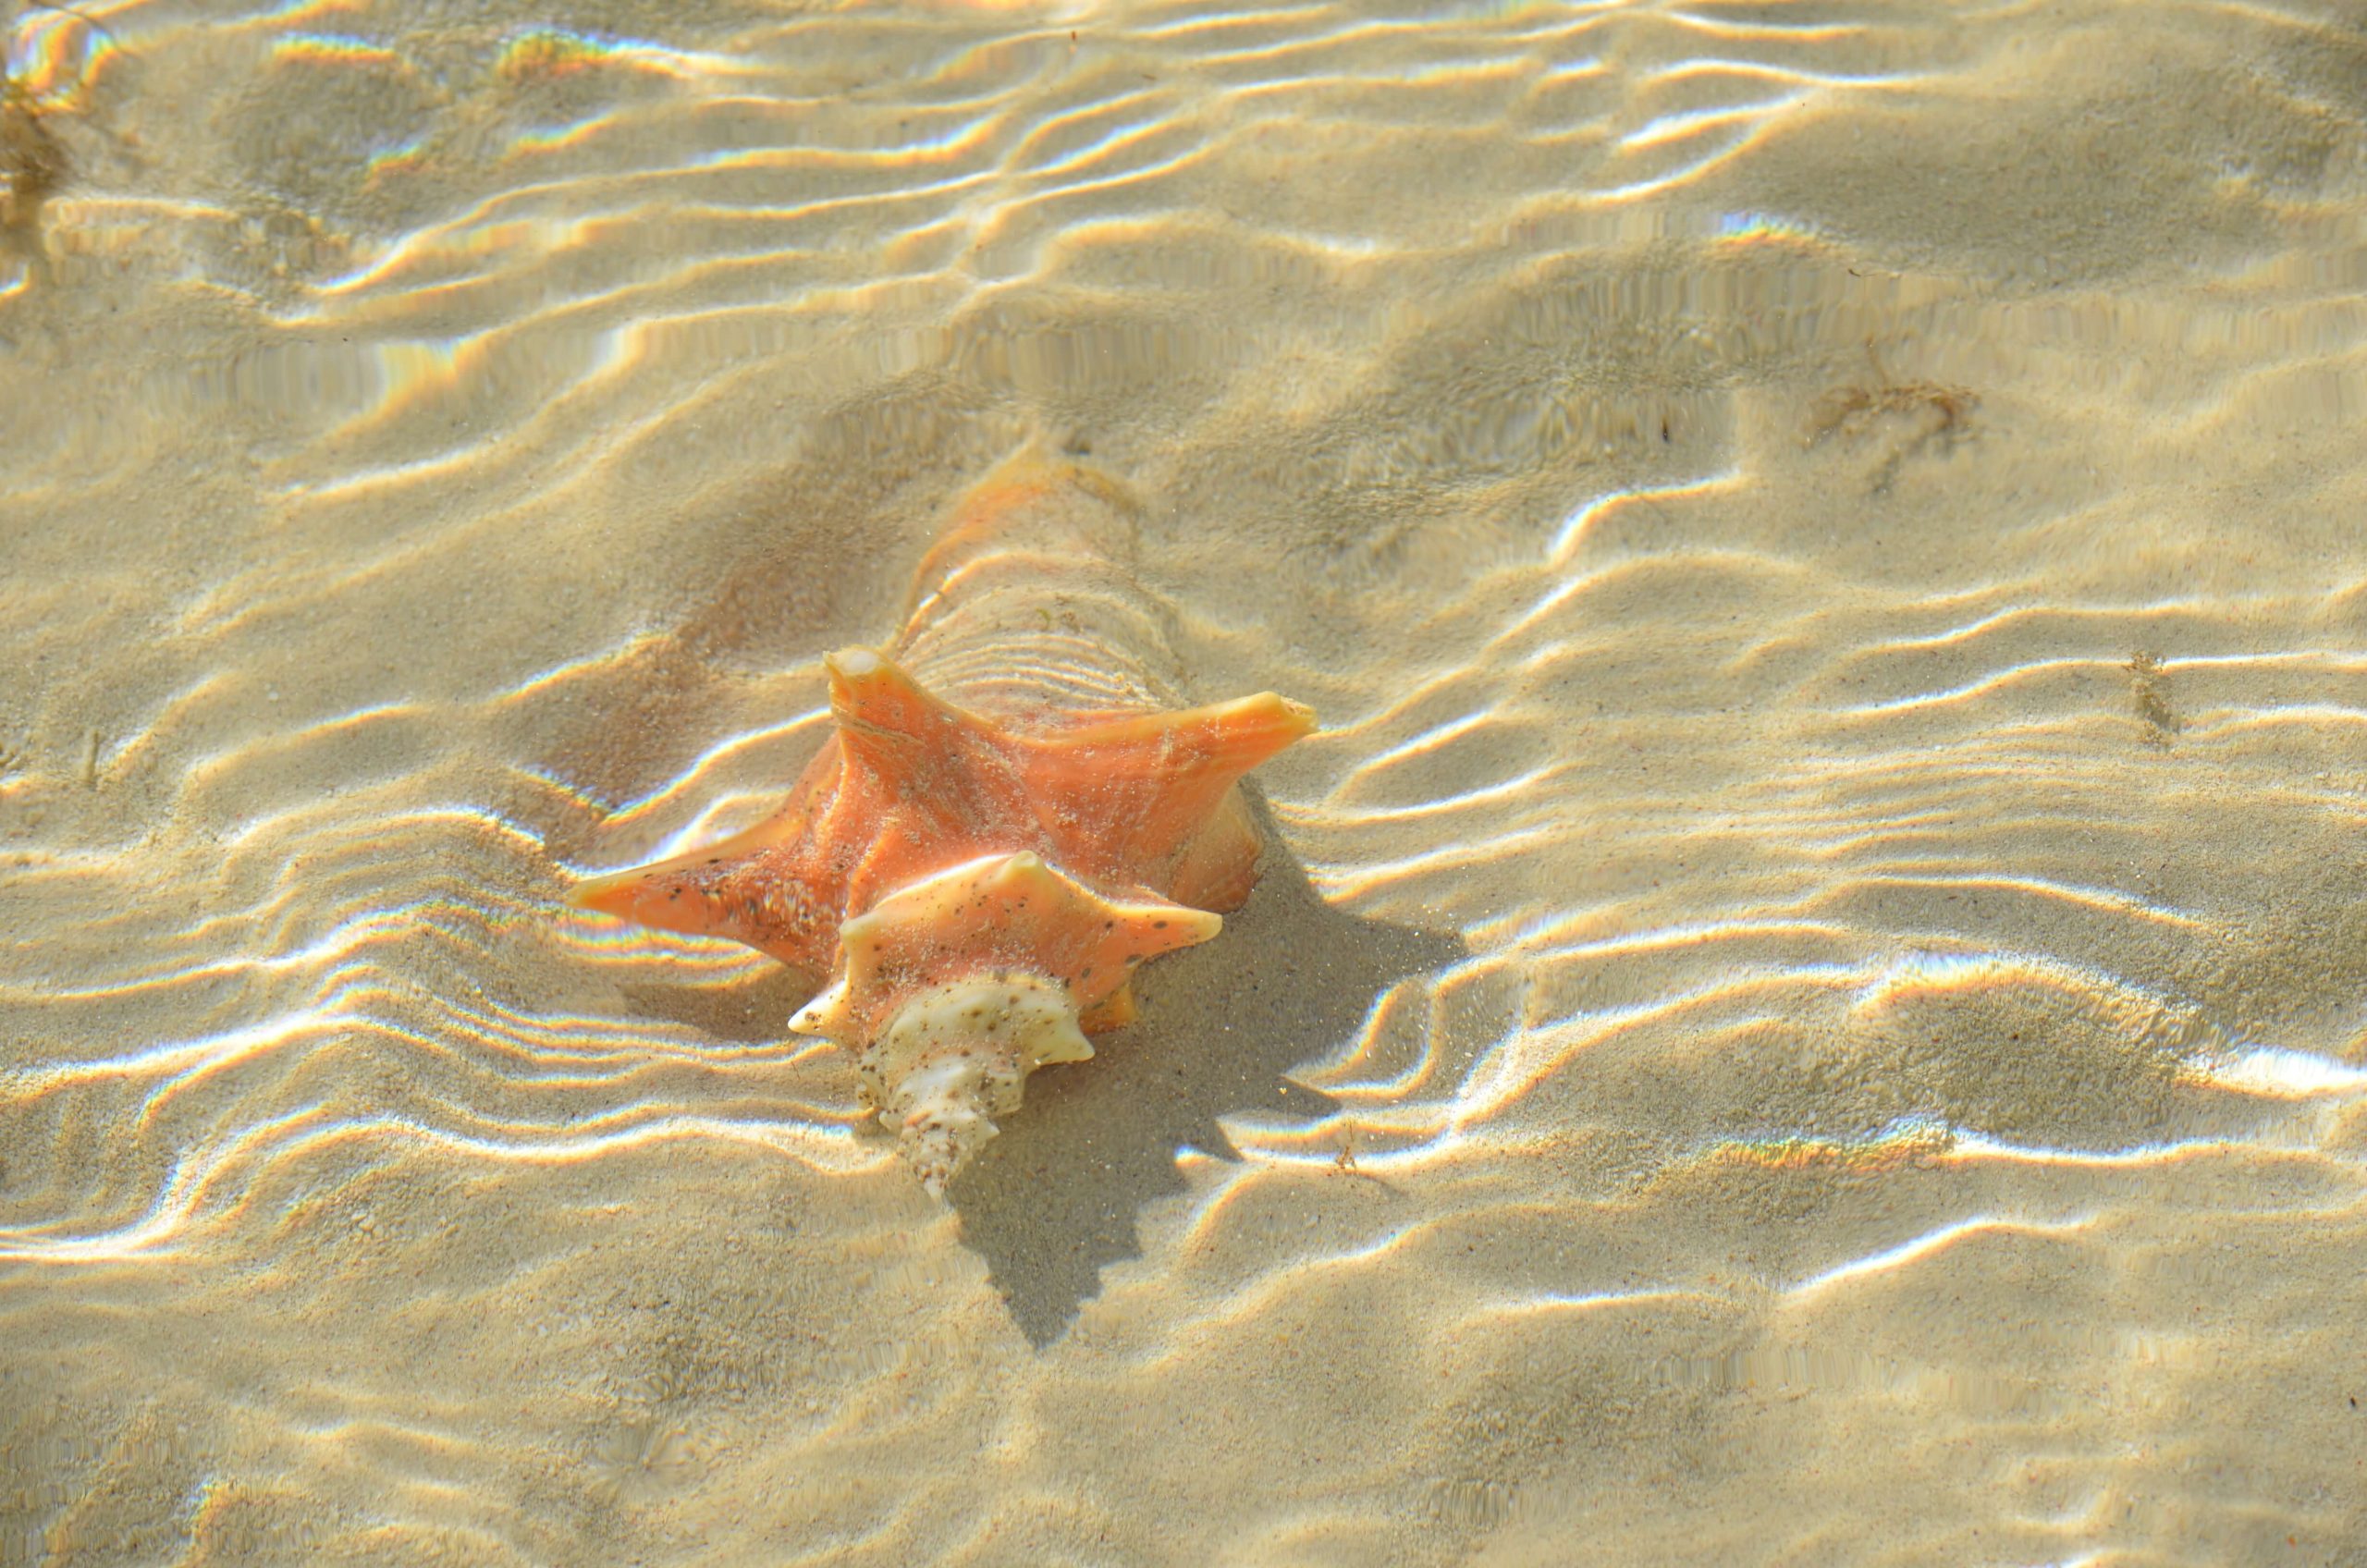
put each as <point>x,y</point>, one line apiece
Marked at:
<point>1807,1004</point>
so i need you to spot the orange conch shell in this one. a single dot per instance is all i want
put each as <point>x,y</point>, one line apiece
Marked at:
<point>974,885</point>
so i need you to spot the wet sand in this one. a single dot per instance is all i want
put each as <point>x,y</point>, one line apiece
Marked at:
<point>1805,1006</point>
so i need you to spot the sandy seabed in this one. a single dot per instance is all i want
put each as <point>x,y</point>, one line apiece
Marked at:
<point>1809,1006</point>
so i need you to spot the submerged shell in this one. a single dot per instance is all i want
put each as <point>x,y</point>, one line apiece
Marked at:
<point>1009,818</point>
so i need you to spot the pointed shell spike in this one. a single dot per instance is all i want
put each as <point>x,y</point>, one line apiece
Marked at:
<point>955,1057</point>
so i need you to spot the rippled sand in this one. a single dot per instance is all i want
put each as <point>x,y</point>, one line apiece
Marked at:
<point>1807,1007</point>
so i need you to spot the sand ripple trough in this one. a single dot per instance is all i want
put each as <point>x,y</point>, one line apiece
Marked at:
<point>1808,1002</point>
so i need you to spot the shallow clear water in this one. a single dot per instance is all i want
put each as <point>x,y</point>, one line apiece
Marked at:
<point>1806,1005</point>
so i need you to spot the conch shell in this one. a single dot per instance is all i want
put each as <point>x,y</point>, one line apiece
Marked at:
<point>974,885</point>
